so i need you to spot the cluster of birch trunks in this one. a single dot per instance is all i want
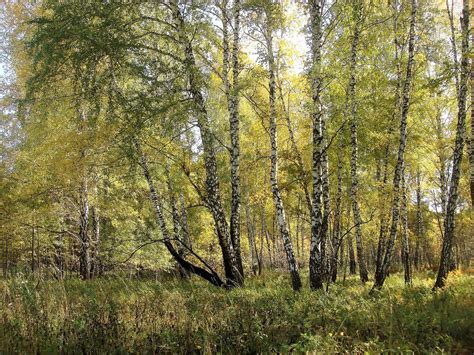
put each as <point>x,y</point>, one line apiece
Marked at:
<point>327,237</point>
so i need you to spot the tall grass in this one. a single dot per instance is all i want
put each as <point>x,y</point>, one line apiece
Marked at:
<point>132,316</point>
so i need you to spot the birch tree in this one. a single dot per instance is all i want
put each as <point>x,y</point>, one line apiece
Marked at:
<point>279,208</point>
<point>449,220</point>
<point>318,239</point>
<point>208,141</point>
<point>209,274</point>
<point>404,232</point>
<point>386,153</point>
<point>395,210</point>
<point>357,9</point>
<point>231,89</point>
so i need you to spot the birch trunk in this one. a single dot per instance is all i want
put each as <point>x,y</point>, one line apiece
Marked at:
<point>298,230</point>
<point>404,225</point>
<point>419,222</point>
<point>95,261</point>
<point>336,238</point>
<point>444,166</point>
<point>471,144</point>
<point>444,172</point>
<point>184,224</point>
<point>84,252</point>
<point>352,261</point>
<point>280,211</point>
<point>177,230</point>
<point>395,212</point>
<point>210,275</point>
<point>233,108</point>
<point>443,181</point>
<point>449,221</point>
<point>316,261</point>
<point>325,193</point>
<point>233,276</point>
<point>354,146</point>
<point>386,159</point>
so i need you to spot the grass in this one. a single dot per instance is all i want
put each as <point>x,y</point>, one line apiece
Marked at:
<point>132,316</point>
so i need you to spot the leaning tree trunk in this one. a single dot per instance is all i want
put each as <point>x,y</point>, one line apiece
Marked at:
<point>209,275</point>
<point>186,237</point>
<point>177,229</point>
<point>316,261</point>
<point>395,213</point>
<point>449,220</point>
<point>404,225</point>
<point>232,273</point>
<point>231,91</point>
<point>354,145</point>
<point>280,211</point>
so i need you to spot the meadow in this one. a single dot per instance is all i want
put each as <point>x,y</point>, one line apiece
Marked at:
<point>121,315</point>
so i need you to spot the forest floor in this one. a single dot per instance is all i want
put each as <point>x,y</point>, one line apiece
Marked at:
<point>135,316</point>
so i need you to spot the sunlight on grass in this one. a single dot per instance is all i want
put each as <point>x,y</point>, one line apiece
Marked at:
<point>144,316</point>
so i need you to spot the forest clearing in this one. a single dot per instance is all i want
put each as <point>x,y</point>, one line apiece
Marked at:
<point>236,176</point>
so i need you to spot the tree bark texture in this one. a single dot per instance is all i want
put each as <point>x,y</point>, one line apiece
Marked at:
<point>395,211</point>
<point>357,9</point>
<point>210,275</point>
<point>316,261</point>
<point>404,229</point>
<point>449,220</point>
<point>280,211</point>
<point>209,151</point>
<point>232,94</point>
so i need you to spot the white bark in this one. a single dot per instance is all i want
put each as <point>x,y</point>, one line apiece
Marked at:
<point>280,211</point>
<point>395,211</point>
<point>449,221</point>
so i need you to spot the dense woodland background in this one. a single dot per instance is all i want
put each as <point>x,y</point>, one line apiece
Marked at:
<point>254,144</point>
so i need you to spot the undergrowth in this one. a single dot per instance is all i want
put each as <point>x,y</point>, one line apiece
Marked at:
<point>135,316</point>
